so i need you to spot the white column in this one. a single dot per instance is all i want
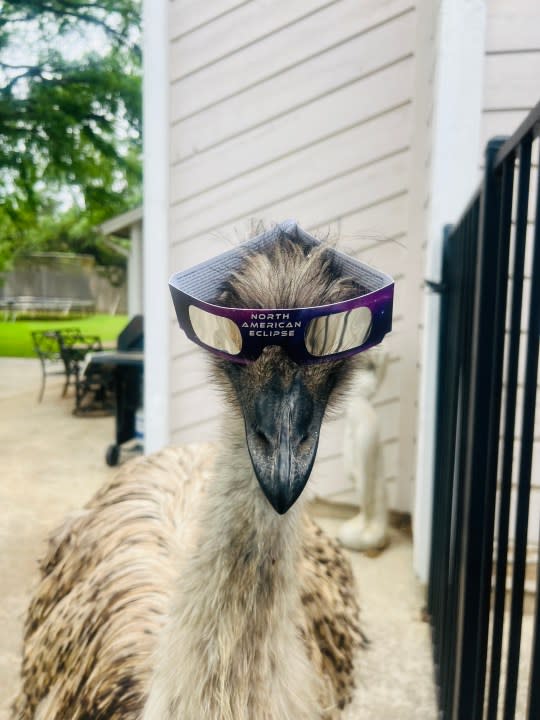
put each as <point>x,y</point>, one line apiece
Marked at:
<point>156,212</point>
<point>454,175</point>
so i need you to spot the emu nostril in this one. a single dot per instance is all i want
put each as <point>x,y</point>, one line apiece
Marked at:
<point>260,435</point>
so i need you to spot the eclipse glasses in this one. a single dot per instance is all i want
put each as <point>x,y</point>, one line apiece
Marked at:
<point>309,334</point>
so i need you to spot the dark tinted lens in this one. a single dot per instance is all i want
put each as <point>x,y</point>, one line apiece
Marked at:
<point>336,333</point>
<point>216,331</point>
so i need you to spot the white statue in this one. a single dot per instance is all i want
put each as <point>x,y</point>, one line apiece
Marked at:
<point>363,461</point>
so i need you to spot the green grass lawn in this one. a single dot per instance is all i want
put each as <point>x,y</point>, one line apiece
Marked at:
<point>16,341</point>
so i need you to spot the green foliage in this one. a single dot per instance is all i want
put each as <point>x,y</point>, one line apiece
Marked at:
<point>70,122</point>
<point>72,231</point>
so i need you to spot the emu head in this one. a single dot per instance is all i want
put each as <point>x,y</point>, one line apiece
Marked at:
<point>283,403</point>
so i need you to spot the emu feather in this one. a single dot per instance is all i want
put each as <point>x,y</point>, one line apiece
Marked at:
<point>178,593</point>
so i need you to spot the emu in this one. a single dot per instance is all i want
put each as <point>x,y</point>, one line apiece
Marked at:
<point>178,592</point>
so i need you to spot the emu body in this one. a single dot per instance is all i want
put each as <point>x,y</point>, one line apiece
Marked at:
<point>179,593</point>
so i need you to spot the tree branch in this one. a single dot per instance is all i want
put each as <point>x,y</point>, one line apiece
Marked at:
<point>30,72</point>
<point>21,19</point>
<point>84,17</point>
<point>14,67</point>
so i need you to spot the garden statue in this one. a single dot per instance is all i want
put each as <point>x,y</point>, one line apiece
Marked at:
<point>362,453</point>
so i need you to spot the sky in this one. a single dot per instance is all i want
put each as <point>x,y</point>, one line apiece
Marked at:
<point>27,45</point>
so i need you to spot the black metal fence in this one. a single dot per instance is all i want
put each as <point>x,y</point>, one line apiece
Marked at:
<point>487,392</point>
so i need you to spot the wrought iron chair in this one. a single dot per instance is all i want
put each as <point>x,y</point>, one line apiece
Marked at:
<point>94,384</point>
<point>74,346</point>
<point>47,348</point>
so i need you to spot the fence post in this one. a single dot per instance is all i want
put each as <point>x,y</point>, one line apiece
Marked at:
<point>441,486</point>
<point>440,289</point>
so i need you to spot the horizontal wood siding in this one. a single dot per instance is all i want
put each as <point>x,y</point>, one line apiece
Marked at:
<point>217,41</point>
<point>512,65</point>
<point>189,15</point>
<point>324,202</point>
<point>416,428</point>
<point>512,26</point>
<point>307,170</point>
<point>305,113</point>
<point>511,89</point>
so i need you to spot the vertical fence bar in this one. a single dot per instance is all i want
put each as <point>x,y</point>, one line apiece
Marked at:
<point>524,478</point>
<point>509,426</point>
<point>480,446</point>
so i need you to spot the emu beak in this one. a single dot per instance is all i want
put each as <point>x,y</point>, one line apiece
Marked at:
<point>282,433</point>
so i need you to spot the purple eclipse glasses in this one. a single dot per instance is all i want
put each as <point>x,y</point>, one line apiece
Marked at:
<point>308,334</point>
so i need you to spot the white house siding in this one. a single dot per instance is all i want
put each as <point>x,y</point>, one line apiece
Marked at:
<point>293,109</point>
<point>511,90</point>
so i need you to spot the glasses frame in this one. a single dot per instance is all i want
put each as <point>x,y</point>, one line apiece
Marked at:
<point>254,339</point>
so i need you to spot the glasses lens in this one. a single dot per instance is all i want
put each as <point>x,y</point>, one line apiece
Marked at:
<point>336,333</point>
<point>215,331</point>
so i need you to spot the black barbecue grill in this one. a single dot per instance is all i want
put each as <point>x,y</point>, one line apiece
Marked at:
<point>126,364</point>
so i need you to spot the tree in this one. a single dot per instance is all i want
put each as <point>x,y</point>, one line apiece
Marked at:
<point>70,120</point>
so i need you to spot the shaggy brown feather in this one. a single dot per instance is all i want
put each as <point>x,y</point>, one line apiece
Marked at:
<point>108,578</point>
<point>106,584</point>
<point>287,276</point>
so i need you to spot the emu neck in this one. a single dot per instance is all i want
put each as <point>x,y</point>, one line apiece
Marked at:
<point>240,527</point>
<point>232,650</point>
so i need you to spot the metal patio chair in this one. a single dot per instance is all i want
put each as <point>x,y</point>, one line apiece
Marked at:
<point>47,348</point>
<point>94,384</point>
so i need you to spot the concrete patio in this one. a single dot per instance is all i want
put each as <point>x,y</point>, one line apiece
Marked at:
<point>53,462</point>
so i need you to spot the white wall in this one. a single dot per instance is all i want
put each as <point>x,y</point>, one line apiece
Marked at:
<point>511,65</point>
<point>356,119</point>
<point>305,113</point>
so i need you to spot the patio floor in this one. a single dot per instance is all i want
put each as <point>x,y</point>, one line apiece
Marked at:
<point>53,462</point>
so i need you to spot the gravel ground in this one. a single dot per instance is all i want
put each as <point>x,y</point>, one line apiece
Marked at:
<point>395,674</point>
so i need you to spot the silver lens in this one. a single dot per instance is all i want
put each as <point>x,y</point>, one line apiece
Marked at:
<point>336,333</point>
<point>216,331</point>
